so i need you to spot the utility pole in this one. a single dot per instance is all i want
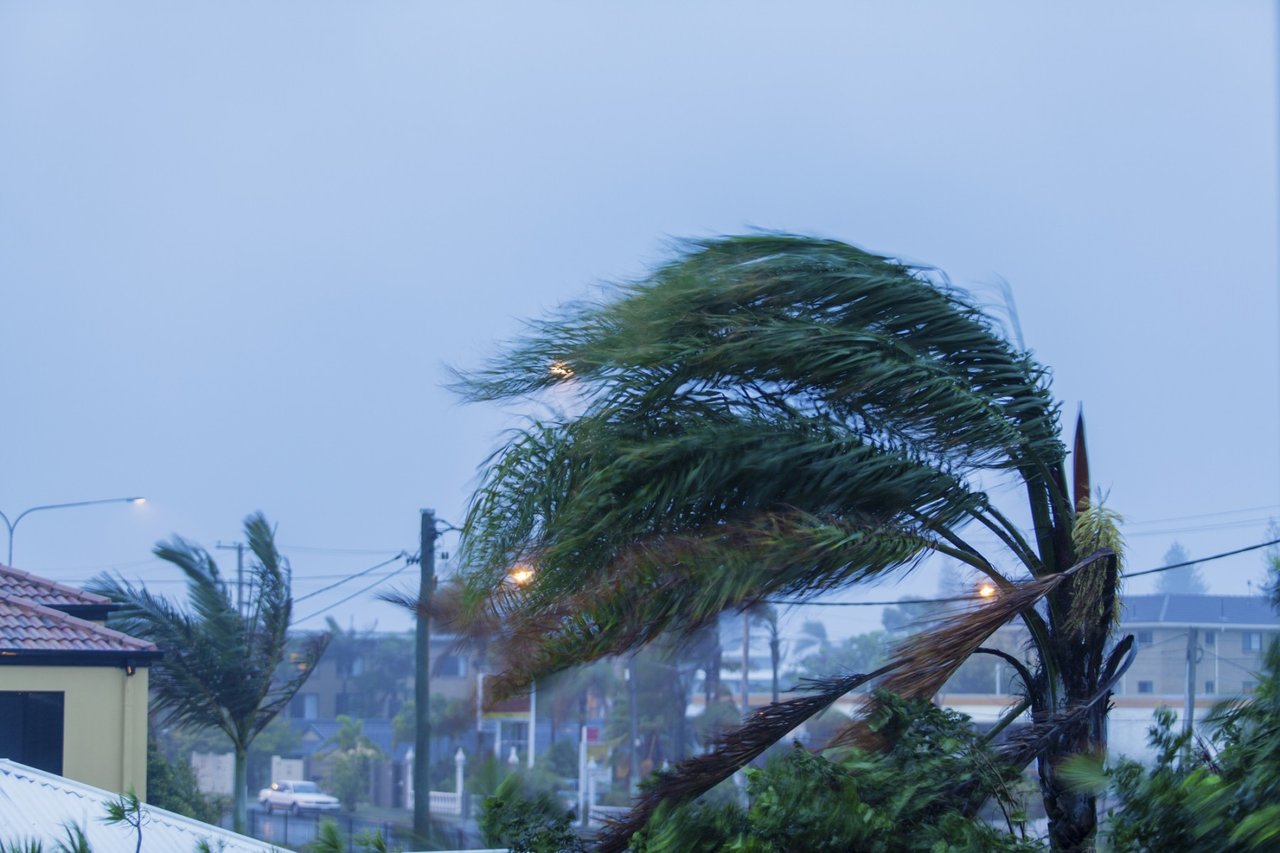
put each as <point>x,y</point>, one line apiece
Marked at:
<point>238,547</point>
<point>422,679</point>
<point>1188,714</point>
<point>633,774</point>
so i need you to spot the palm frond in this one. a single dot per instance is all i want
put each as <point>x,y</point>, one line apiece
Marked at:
<point>926,660</point>
<point>679,584</point>
<point>818,323</point>
<point>1023,747</point>
<point>731,752</point>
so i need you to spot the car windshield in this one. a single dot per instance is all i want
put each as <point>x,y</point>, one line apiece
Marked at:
<point>306,788</point>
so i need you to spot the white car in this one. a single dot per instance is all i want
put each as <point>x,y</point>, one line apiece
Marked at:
<point>296,796</point>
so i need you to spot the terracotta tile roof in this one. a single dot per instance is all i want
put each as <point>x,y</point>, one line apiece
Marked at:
<point>26,626</point>
<point>19,584</point>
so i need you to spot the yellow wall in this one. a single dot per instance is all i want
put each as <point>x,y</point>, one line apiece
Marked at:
<point>104,730</point>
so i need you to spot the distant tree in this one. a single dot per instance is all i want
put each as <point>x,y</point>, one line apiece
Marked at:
<point>351,761</point>
<point>376,670</point>
<point>219,666</point>
<point>172,786</point>
<point>813,637</point>
<point>1184,581</point>
<point>859,653</point>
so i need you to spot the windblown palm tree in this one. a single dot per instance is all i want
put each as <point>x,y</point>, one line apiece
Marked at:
<point>772,418</point>
<point>219,668</point>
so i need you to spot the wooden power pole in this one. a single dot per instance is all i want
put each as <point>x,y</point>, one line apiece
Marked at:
<point>422,680</point>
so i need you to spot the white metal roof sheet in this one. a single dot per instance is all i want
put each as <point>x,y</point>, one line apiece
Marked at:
<point>37,805</point>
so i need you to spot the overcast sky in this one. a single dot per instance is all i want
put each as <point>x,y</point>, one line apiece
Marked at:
<point>240,242</point>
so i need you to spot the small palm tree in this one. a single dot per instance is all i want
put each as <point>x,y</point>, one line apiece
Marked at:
<point>771,418</point>
<point>220,665</point>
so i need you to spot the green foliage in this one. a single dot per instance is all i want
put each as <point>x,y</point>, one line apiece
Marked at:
<point>561,758</point>
<point>172,786</point>
<point>527,819</point>
<point>718,718</point>
<point>376,670</point>
<point>127,809</point>
<point>859,653</point>
<point>219,668</point>
<point>351,761</point>
<point>347,775</point>
<point>895,802</point>
<point>328,839</point>
<point>74,840</point>
<point>1192,798</point>
<point>21,846</point>
<point>1221,793</point>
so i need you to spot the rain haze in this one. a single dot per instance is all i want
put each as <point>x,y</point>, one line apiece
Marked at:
<point>240,243</point>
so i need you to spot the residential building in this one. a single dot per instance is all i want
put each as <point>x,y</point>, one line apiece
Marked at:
<point>73,693</point>
<point>1202,648</point>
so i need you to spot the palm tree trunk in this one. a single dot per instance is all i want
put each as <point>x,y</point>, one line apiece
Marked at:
<point>1073,814</point>
<point>239,814</point>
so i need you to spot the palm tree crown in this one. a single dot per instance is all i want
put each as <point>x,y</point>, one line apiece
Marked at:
<point>220,665</point>
<point>773,417</point>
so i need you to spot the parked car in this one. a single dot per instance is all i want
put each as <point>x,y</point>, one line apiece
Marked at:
<point>297,796</point>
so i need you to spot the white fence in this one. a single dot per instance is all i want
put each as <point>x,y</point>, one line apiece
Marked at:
<point>446,802</point>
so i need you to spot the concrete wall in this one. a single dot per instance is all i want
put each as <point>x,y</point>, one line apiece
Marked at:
<point>104,728</point>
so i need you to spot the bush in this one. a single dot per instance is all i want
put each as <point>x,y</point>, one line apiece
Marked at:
<point>913,799</point>
<point>172,786</point>
<point>526,819</point>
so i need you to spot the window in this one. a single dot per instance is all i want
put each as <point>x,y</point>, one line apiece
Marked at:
<point>1251,641</point>
<point>1146,687</point>
<point>451,666</point>
<point>1209,687</point>
<point>1144,638</point>
<point>304,706</point>
<point>1248,686</point>
<point>32,730</point>
<point>1210,638</point>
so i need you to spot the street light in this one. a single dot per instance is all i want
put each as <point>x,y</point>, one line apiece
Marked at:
<point>12,524</point>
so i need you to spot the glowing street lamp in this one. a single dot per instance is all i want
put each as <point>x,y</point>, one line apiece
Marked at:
<point>986,590</point>
<point>521,574</point>
<point>12,524</point>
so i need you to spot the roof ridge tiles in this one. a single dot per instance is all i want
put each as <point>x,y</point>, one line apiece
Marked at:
<point>11,576</point>
<point>83,631</point>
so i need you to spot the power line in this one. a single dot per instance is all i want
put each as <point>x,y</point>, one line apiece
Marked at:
<point>979,598</point>
<point>1202,560</point>
<point>358,592</point>
<point>346,578</point>
<point>1201,515</point>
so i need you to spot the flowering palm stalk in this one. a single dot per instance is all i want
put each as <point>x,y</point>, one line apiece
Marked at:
<point>780,417</point>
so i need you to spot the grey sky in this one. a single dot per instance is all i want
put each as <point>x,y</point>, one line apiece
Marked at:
<point>240,241</point>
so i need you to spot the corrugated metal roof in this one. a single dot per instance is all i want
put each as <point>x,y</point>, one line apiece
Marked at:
<point>1225,610</point>
<point>26,626</point>
<point>19,584</point>
<point>36,805</point>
